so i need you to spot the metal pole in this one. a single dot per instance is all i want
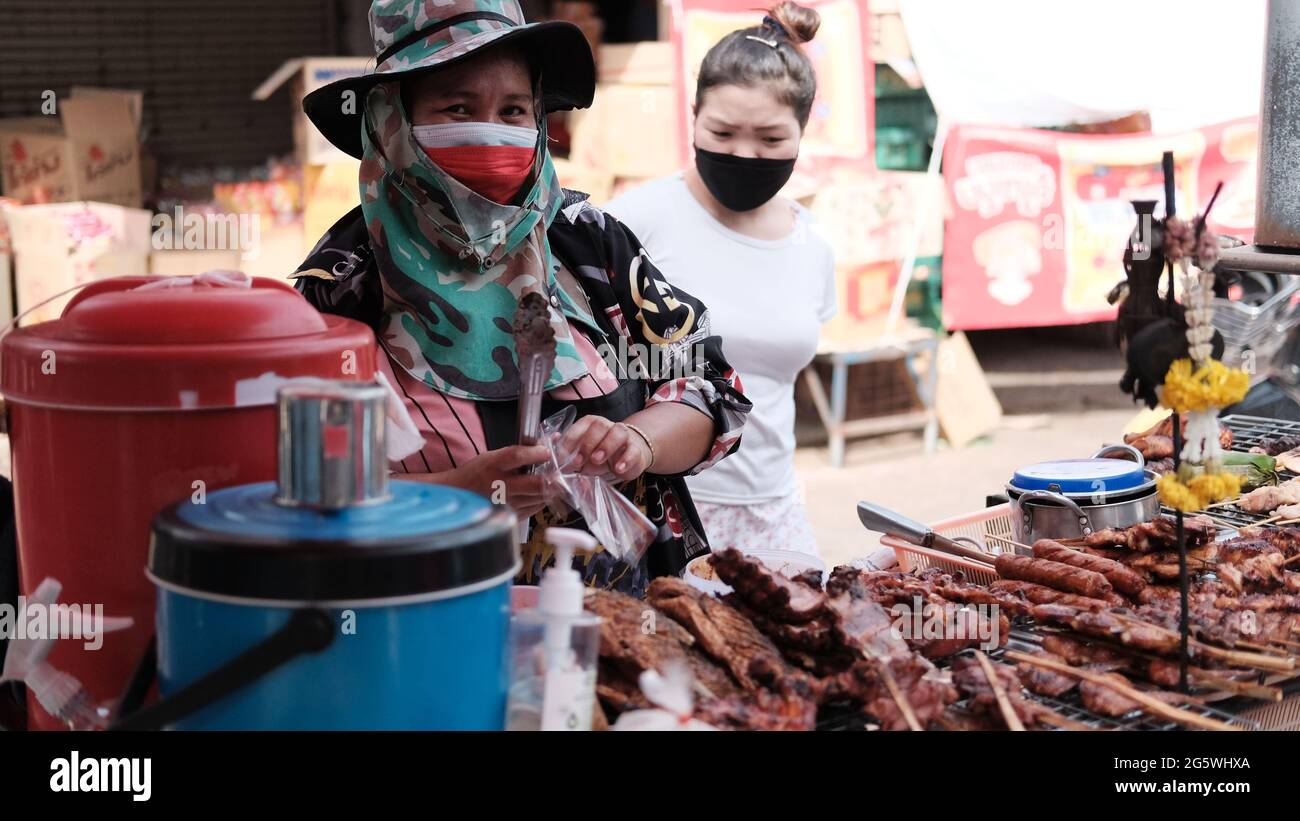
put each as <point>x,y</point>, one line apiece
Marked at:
<point>1277,204</point>
<point>1182,564</point>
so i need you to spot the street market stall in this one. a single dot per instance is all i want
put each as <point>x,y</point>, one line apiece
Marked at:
<point>258,568</point>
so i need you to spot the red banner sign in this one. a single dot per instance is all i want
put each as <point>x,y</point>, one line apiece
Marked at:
<point>1039,219</point>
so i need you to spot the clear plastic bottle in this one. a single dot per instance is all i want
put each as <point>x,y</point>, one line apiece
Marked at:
<point>554,647</point>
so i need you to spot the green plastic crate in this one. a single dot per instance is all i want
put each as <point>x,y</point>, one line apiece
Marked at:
<point>924,300</point>
<point>901,149</point>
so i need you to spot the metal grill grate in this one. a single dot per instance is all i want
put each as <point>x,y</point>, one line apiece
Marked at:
<point>848,718</point>
<point>1248,432</point>
<point>1252,431</point>
<point>1229,515</point>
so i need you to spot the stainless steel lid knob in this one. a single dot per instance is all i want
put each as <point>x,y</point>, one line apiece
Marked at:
<point>331,445</point>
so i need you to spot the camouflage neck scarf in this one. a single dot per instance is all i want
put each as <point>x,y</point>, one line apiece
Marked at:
<point>454,264</point>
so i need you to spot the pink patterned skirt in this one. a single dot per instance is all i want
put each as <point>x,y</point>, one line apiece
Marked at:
<point>779,524</point>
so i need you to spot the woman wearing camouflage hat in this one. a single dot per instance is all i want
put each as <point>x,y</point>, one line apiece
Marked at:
<point>460,217</point>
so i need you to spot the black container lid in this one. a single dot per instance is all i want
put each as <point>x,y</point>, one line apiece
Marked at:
<point>426,541</point>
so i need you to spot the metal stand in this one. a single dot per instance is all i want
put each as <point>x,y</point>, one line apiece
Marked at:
<point>1183,584</point>
<point>833,411</point>
<point>1167,166</point>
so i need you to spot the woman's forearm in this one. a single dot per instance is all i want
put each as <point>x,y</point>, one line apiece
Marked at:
<point>681,435</point>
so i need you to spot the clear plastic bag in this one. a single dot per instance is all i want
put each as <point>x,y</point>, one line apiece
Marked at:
<point>612,518</point>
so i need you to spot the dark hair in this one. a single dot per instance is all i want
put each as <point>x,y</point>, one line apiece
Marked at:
<point>767,55</point>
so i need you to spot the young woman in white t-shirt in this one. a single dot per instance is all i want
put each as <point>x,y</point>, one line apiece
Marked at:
<point>719,230</point>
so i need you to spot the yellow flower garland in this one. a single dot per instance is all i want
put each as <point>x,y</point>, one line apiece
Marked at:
<point>1213,385</point>
<point>1199,492</point>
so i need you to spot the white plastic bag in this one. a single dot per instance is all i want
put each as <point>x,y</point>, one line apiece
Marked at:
<point>61,695</point>
<point>671,693</point>
<point>622,529</point>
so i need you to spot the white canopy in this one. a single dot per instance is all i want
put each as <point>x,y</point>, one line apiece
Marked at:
<point>1052,62</point>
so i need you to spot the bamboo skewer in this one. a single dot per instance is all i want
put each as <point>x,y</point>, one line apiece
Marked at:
<point>1260,661</point>
<point>1248,645</point>
<point>1004,704</point>
<point>1048,716</point>
<point>899,699</point>
<point>1224,503</point>
<point>1223,522</point>
<point>1011,542</point>
<point>1153,705</point>
<point>1261,648</point>
<point>1241,688</point>
<point>1205,677</point>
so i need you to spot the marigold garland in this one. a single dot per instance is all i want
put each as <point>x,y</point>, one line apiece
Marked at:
<point>1199,492</point>
<point>1213,385</point>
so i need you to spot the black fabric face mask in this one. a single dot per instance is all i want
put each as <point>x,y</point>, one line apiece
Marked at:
<point>742,183</point>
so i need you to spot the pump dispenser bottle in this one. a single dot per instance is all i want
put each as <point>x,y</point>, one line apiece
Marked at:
<point>554,647</point>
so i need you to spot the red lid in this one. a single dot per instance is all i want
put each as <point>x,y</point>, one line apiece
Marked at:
<point>189,346</point>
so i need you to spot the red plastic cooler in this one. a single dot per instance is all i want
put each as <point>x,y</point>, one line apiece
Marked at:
<point>132,400</point>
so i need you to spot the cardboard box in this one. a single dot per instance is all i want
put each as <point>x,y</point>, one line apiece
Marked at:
<point>595,183</point>
<point>889,38</point>
<point>630,131</point>
<point>59,246</point>
<point>6,265</point>
<point>328,192</point>
<point>308,74</point>
<point>90,151</point>
<point>645,63</point>
<point>6,288</point>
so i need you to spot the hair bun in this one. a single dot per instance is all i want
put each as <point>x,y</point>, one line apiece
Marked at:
<point>800,23</point>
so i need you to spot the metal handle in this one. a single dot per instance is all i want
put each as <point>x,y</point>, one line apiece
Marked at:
<point>332,452</point>
<point>883,520</point>
<point>534,369</point>
<point>1128,450</point>
<point>1027,514</point>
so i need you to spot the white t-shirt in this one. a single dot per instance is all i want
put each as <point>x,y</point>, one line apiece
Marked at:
<point>767,299</point>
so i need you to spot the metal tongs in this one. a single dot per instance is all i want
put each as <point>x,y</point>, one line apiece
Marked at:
<point>535,348</point>
<point>882,520</point>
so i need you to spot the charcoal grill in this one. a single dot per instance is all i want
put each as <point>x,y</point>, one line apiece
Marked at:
<point>841,717</point>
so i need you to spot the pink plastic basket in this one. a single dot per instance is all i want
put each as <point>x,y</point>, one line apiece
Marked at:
<point>993,521</point>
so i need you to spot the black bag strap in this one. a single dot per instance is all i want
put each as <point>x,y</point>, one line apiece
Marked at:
<point>307,631</point>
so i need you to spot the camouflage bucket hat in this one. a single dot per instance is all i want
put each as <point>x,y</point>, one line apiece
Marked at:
<point>413,36</point>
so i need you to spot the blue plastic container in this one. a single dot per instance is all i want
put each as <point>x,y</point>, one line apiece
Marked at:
<point>417,586</point>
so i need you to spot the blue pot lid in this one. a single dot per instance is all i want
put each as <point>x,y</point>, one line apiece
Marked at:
<point>1080,476</point>
<point>424,539</point>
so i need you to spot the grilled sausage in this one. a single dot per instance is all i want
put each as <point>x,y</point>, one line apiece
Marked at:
<point>1124,579</point>
<point>1053,574</point>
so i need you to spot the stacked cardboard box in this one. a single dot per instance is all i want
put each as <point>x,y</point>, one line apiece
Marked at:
<point>328,186</point>
<point>888,35</point>
<point>62,245</point>
<point>6,264</point>
<point>631,132</point>
<point>84,147</point>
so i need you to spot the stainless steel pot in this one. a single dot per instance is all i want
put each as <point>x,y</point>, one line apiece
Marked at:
<point>1049,514</point>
